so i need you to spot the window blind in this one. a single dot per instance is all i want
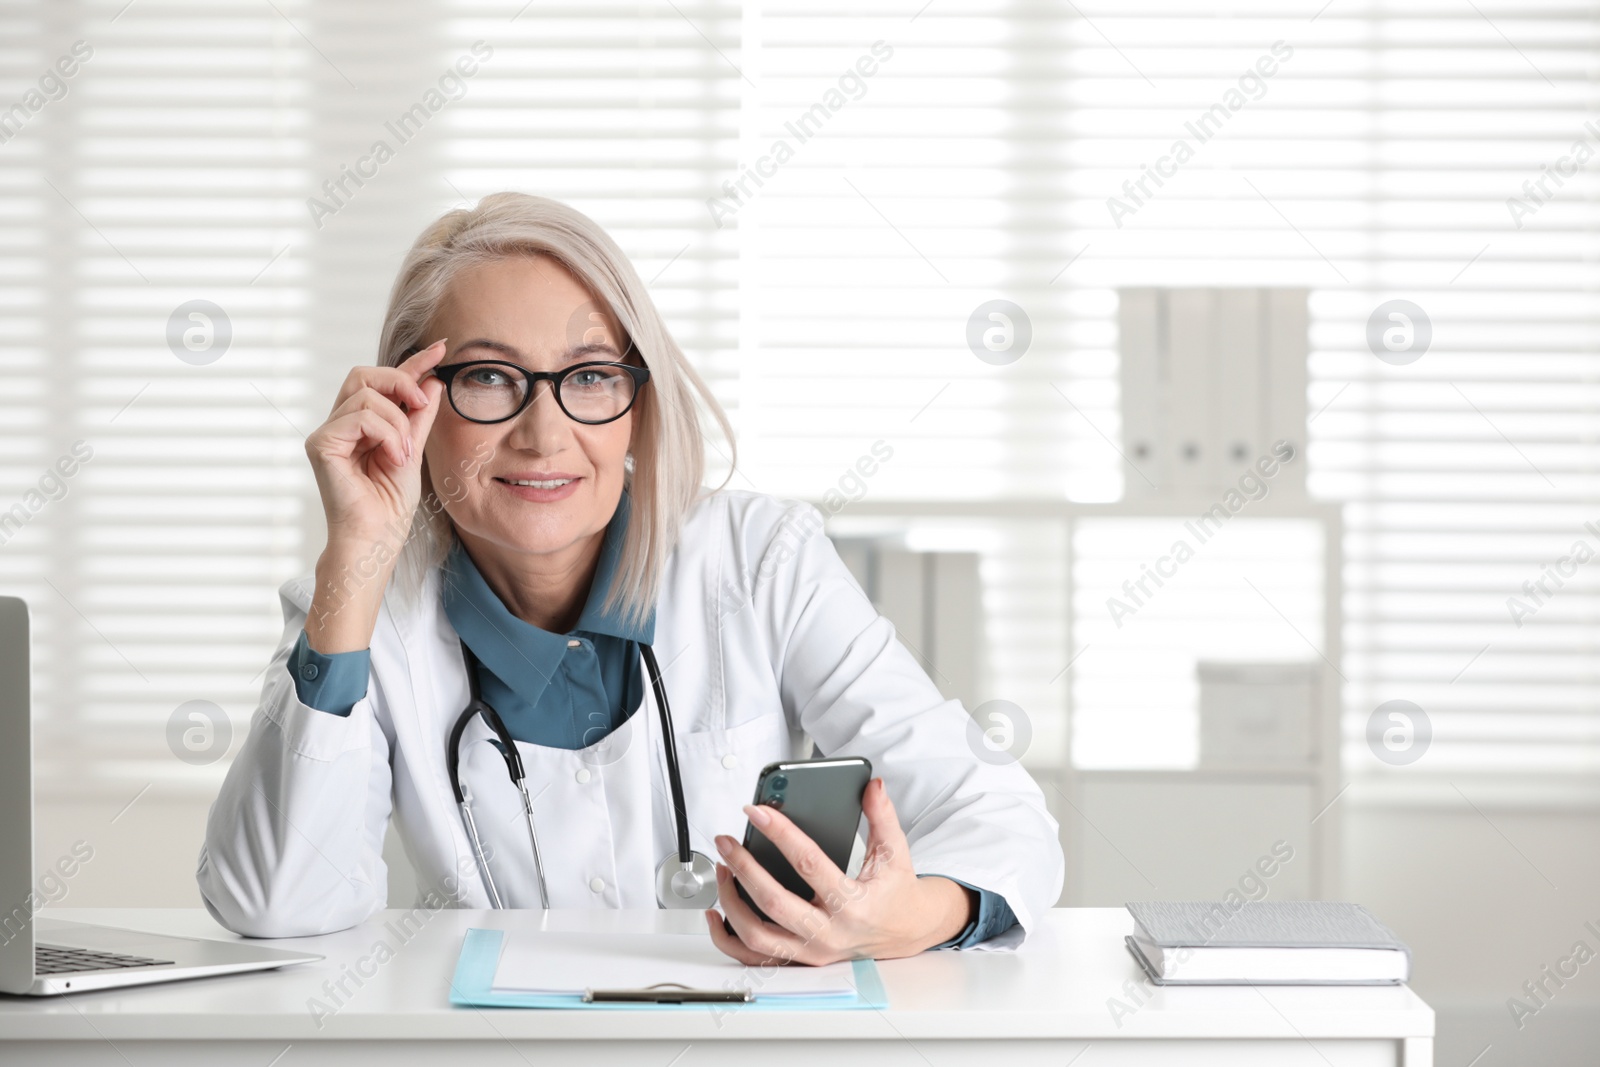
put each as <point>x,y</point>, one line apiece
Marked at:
<point>1373,151</point>
<point>154,354</point>
<point>942,167</point>
<point>227,154</point>
<point>631,113</point>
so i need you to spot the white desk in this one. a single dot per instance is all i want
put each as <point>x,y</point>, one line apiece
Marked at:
<point>1045,1004</point>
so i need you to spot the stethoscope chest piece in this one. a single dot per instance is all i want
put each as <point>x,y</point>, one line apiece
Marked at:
<point>686,886</point>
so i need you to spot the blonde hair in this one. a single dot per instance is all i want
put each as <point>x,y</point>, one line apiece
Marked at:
<point>668,441</point>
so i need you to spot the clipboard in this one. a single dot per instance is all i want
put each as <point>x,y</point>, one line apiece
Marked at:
<point>473,987</point>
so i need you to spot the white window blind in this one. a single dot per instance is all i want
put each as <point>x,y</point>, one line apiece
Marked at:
<point>1372,161</point>
<point>205,152</point>
<point>631,113</point>
<point>161,175</point>
<point>830,307</point>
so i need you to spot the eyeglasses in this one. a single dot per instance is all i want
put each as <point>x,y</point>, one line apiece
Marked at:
<point>492,390</point>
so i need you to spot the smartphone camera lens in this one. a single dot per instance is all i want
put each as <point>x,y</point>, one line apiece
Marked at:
<point>778,782</point>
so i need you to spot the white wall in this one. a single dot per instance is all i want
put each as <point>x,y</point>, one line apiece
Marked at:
<point>1481,921</point>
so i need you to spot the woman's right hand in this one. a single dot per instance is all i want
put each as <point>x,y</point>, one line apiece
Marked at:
<point>367,458</point>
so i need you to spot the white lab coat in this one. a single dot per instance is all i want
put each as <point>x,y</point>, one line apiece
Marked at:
<point>764,640</point>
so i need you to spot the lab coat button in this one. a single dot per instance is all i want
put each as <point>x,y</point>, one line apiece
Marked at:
<point>597,885</point>
<point>308,671</point>
<point>730,761</point>
<point>583,775</point>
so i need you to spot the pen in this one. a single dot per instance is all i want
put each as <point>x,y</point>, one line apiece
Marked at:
<point>668,993</point>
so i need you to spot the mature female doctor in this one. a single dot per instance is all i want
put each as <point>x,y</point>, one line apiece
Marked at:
<point>521,499</point>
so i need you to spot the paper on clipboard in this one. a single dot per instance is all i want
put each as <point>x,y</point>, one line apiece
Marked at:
<point>568,962</point>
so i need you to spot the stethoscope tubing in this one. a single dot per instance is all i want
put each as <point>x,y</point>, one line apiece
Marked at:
<point>514,768</point>
<point>508,749</point>
<point>669,747</point>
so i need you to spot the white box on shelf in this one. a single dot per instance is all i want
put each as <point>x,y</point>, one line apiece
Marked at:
<point>1258,714</point>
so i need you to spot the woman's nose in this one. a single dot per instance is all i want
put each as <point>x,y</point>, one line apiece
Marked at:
<point>542,426</point>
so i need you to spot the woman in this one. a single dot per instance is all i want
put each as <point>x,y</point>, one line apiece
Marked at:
<point>548,450</point>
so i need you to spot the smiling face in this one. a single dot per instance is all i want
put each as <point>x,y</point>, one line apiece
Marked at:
<point>533,312</point>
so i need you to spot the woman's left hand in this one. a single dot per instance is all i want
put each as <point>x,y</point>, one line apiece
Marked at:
<point>883,913</point>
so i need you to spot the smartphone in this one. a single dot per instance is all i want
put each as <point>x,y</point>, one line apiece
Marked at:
<point>820,796</point>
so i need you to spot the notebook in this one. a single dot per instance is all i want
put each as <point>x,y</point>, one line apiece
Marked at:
<point>1282,942</point>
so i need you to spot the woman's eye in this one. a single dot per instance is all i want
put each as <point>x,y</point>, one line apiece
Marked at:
<point>588,379</point>
<point>487,376</point>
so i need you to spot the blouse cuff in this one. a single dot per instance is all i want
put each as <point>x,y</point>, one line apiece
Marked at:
<point>994,917</point>
<point>331,683</point>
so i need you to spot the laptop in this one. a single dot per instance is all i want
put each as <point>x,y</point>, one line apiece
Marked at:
<point>43,956</point>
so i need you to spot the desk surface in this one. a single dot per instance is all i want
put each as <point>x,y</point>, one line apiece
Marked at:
<point>1061,984</point>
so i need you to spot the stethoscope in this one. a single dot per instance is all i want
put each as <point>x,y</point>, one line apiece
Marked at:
<point>685,878</point>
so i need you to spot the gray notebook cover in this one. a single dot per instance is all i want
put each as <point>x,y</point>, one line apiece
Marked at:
<point>1259,924</point>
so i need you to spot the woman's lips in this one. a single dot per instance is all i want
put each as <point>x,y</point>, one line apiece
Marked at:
<point>547,488</point>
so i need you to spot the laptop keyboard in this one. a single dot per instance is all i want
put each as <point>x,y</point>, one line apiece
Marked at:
<point>60,959</point>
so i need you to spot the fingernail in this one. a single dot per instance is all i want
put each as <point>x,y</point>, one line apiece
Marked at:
<point>408,450</point>
<point>759,815</point>
<point>439,342</point>
<point>724,844</point>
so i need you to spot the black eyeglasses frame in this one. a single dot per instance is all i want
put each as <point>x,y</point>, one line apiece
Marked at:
<point>448,372</point>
